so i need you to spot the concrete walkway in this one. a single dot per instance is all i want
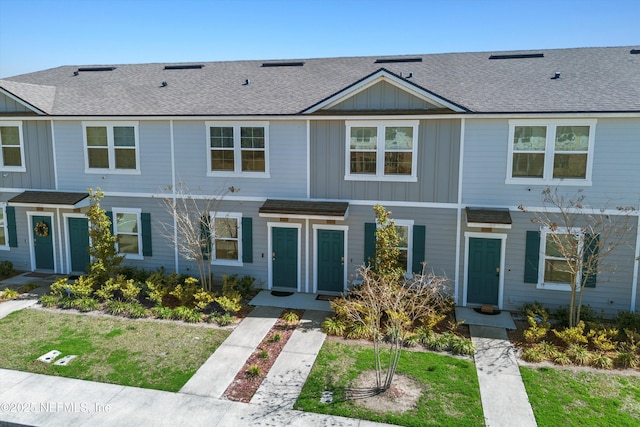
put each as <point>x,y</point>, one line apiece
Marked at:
<point>504,398</point>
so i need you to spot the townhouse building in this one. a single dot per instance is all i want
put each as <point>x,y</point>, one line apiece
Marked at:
<point>299,151</point>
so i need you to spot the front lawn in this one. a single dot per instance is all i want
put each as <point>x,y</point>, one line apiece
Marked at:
<point>562,397</point>
<point>450,395</point>
<point>139,353</point>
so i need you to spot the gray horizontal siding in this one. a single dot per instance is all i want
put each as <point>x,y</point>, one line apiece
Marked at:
<point>8,105</point>
<point>38,156</point>
<point>613,284</point>
<point>437,164</point>
<point>383,96</point>
<point>287,162</point>
<point>19,256</point>
<point>615,166</point>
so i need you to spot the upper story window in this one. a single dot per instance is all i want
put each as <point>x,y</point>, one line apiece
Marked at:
<point>554,152</point>
<point>235,148</point>
<point>226,230</point>
<point>12,148</point>
<point>379,151</point>
<point>111,147</point>
<point>127,229</point>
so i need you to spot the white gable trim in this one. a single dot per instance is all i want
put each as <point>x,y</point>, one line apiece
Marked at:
<point>21,101</point>
<point>378,77</point>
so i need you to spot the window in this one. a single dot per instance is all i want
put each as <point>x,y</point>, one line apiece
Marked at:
<point>12,149</point>
<point>382,151</point>
<point>552,152</point>
<point>4,235</point>
<point>226,230</point>
<point>555,269</point>
<point>127,229</point>
<point>111,147</point>
<point>403,228</point>
<point>238,148</point>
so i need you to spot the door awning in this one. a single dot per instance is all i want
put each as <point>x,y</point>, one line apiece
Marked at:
<point>51,199</point>
<point>304,209</point>
<point>488,218</point>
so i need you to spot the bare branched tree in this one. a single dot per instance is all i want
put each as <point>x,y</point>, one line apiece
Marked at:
<point>193,226</point>
<point>577,240</point>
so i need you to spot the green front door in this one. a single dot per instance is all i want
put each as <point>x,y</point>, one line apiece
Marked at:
<point>284,257</point>
<point>79,243</point>
<point>483,279</point>
<point>330,260</point>
<point>42,242</point>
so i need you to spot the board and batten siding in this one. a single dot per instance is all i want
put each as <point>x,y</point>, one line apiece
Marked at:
<point>38,158</point>
<point>8,105</point>
<point>20,255</point>
<point>615,166</point>
<point>613,286</point>
<point>383,96</point>
<point>287,162</point>
<point>437,165</point>
<point>154,151</point>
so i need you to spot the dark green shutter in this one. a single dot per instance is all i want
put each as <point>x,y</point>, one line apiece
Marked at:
<point>110,215</point>
<point>419,232</point>
<point>247,239</point>
<point>205,236</point>
<point>11,226</point>
<point>591,251</point>
<point>145,219</point>
<point>532,257</point>
<point>369,242</point>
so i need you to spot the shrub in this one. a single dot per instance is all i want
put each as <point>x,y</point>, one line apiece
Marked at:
<point>628,320</point>
<point>117,308</point>
<point>579,354</point>
<point>202,299</point>
<point>442,342</point>
<point>254,371</point>
<point>573,335</point>
<point>231,285</point>
<point>50,300</point>
<point>535,310</point>
<point>277,337</point>
<point>334,326</point>
<point>411,340</point>
<point>223,319</point>
<point>263,354</point>
<point>533,354</point>
<point>601,361</point>
<point>154,292</point>
<point>290,317</point>
<point>536,331</point>
<point>432,319</point>
<point>6,268</point>
<point>562,359</point>
<point>187,314</point>
<point>549,351</point>
<point>80,288</point>
<point>604,339</point>
<point>9,293</point>
<point>425,335</point>
<point>462,346</point>
<point>358,330</point>
<point>162,312</point>
<point>85,304</point>
<point>137,311</point>
<point>229,304</point>
<point>184,292</point>
<point>627,359</point>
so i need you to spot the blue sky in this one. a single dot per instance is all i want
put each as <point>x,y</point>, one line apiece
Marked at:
<point>40,34</point>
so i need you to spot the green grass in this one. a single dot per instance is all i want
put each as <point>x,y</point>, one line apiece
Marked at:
<point>451,396</point>
<point>567,398</point>
<point>139,353</point>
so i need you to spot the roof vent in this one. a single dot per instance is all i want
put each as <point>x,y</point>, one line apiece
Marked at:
<point>556,76</point>
<point>184,67</point>
<point>282,64</point>
<point>164,84</point>
<point>518,56</point>
<point>634,51</point>
<point>97,69</point>
<point>396,60</point>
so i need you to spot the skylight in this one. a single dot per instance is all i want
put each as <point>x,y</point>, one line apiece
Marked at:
<point>634,51</point>
<point>96,69</point>
<point>184,67</point>
<point>396,60</point>
<point>282,64</point>
<point>518,56</point>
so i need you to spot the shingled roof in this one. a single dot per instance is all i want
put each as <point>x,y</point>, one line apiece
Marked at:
<point>591,80</point>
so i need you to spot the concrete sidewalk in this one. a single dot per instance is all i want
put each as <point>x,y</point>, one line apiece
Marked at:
<point>42,400</point>
<point>504,398</point>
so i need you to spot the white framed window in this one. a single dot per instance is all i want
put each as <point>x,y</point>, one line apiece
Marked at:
<point>381,151</point>
<point>111,147</point>
<point>554,271</point>
<point>238,149</point>
<point>128,231</point>
<point>11,147</point>
<point>226,235</point>
<point>404,229</point>
<point>4,232</point>
<point>559,152</point>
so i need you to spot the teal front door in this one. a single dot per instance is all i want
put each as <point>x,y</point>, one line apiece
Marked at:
<point>483,278</point>
<point>284,257</point>
<point>79,243</point>
<point>330,260</point>
<point>42,242</point>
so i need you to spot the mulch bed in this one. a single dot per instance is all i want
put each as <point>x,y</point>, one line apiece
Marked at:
<point>244,386</point>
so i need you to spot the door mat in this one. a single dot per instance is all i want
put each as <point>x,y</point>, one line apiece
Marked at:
<point>326,297</point>
<point>493,313</point>
<point>38,275</point>
<point>281,294</point>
